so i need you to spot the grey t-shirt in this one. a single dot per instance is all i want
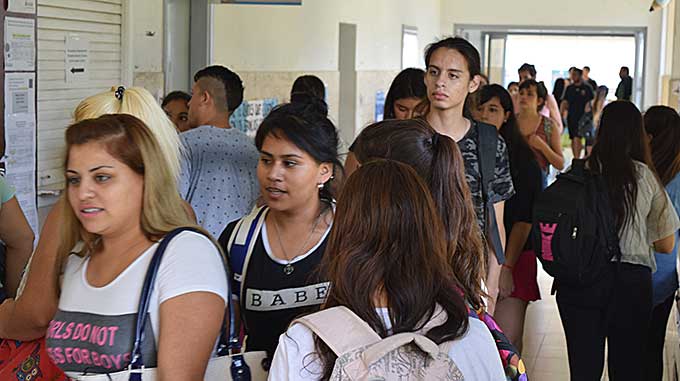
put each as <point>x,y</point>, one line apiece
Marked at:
<point>218,176</point>
<point>654,219</point>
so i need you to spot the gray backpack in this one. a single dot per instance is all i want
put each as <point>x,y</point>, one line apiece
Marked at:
<point>364,355</point>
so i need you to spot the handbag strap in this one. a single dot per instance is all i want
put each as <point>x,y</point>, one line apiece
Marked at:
<point>228,341</point>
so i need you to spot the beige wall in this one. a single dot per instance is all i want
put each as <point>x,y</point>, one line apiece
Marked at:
<point>305,38</point>
<point>675,36</point>
<point>269,46</point>
<point>575,13</point>
<point>146,45</point>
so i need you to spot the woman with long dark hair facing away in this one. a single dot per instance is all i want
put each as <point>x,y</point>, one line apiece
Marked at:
<point>275,251</point>
<point>617,309</point>
<point>406,92</point>
<point>518,284</point>
<point>388,238</point>
<point>453,72</point>
<point>121,200</point>
<point>437,160</point>
<point>540,132</point>
<point>662,124</point>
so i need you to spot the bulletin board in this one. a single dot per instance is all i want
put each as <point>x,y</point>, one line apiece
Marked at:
<point>250,114</point>
<point>18,137</point>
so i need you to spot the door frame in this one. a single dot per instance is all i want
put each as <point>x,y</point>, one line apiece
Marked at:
<point>475,33</point>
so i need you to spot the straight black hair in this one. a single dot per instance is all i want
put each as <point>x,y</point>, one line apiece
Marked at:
<point>528,67</point>
<point>463,47</point>
<point>663,124</point>
<point>174,96</point>
<point>306,86</point>
<point>558,89</point>
<point>621,139</point>
<point>518,149</point>
<point>409,83</point>
<point>308,128</point>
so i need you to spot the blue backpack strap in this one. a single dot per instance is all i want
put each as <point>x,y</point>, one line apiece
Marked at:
<point>241,244</point>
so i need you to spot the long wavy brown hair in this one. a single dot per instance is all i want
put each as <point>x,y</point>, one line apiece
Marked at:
<point>387,248</point>
<point>437,160</point>
<point>663,124</point>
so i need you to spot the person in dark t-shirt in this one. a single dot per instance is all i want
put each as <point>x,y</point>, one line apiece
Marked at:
<point>453,72</point>
<point>278,280</point>
<point>586,77</point>
<point>624,91</point>
<point>576,101</point>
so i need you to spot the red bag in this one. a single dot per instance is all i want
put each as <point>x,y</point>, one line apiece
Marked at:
<point>27,361</point>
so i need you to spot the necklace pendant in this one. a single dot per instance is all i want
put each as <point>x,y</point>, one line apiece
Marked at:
<point>288,269</point>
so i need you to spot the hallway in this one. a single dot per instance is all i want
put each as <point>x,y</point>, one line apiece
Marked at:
<point>545,349</point>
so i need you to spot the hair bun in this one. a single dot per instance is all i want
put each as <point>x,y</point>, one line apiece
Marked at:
<point>310,103</point>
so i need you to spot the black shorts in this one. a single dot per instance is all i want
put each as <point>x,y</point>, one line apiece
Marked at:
<point>573,131</point>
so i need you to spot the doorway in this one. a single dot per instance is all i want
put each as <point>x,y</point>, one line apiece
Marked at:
<point>553,50</point>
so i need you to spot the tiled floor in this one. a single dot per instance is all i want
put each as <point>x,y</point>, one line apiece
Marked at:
<point>545,349</point>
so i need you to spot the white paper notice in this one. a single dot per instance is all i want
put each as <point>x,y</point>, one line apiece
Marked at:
<point>22,6</point>
<point>19,44</point>
<point>77,58</point>
<point>20,141</point>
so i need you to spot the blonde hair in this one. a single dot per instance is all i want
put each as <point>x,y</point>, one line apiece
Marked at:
<point>130,141</point>
<point>138,102</point>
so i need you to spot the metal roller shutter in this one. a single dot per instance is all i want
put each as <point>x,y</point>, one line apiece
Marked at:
<point>101,22</point>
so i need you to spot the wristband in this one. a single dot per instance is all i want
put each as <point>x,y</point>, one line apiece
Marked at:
<point>508,267</point>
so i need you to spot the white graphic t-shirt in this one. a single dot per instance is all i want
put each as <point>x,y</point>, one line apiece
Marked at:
<point>94,328</point>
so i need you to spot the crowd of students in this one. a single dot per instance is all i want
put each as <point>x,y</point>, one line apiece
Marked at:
<point>425,229</point>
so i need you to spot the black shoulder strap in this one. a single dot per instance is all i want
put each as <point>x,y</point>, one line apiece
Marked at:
<point>486,153</point>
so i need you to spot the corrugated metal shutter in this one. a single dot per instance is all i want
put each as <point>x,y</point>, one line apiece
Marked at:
<point>101,22</point>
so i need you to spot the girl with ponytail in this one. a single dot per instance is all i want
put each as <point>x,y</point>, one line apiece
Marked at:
<point>437,159</point>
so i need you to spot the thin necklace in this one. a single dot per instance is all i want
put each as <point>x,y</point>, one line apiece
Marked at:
<point>289,268</point>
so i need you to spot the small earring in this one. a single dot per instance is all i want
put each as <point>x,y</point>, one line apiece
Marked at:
<point>320,185</point>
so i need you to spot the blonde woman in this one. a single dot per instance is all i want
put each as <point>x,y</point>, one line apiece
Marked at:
<point>139,102</point>
<point>27,317</point>
<point>120,202</point>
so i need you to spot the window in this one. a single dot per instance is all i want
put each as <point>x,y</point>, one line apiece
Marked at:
<point>410,52</point>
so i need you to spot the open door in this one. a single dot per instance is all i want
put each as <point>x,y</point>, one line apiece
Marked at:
<point>494,57</point>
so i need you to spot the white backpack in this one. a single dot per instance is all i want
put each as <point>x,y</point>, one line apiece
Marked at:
<point>364,355</point>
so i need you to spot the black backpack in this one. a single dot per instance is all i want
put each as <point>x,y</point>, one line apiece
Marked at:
<point>574,232</point>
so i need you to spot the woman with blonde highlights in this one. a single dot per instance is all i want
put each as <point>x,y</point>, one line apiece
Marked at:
<point>139,102</point>
<point>27,318</point>
<point>121,200</point>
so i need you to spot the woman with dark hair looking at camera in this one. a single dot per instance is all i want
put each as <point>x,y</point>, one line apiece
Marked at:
<point>406,92</point>
<point>388,238</point>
